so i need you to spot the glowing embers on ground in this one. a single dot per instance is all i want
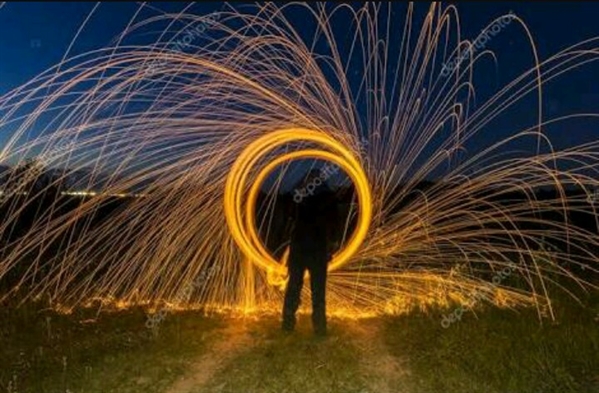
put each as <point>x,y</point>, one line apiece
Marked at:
<point>242,223</point>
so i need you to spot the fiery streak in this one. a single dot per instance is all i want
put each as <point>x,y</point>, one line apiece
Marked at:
<point>251,244</point>
<point>199,134</point>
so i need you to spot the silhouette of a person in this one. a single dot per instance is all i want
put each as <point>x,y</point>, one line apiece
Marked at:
<point>313,218</point>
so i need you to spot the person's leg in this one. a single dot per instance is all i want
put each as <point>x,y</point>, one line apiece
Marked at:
<point>293,294</point>
<point>318,279</point>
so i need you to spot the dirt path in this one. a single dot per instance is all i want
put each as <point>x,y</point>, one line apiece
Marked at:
<point>385,373</point>
<point>228,343</point>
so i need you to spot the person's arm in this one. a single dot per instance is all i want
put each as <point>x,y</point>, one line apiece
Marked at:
<point>290,220</point>
<point>289,227</point>
<point>332,227</point>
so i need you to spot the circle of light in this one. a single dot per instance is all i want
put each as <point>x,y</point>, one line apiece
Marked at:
<point>244,232</point>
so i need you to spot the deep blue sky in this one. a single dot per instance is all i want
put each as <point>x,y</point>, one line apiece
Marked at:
<point>34,37</point>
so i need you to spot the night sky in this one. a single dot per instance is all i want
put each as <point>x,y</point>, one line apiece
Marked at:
<point>35,36</point>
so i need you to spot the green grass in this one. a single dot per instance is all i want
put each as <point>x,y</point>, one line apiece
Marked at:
<point>493,351</point>
<point>500,351</point>
<point>43,351</point>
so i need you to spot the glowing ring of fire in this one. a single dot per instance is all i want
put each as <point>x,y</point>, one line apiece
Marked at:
<point>243,226</point>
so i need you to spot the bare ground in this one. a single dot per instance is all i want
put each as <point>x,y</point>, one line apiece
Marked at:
<point>227,344</point>
<point>384,373</point>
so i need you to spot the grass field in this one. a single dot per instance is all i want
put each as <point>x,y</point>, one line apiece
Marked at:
<point>491,351</point>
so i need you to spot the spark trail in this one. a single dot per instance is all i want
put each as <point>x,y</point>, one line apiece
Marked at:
<point>174,135</point>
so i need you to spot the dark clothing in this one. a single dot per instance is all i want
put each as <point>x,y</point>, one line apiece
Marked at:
<point>318,277</point>
<point>310,250</point>
<point>313,220</point>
